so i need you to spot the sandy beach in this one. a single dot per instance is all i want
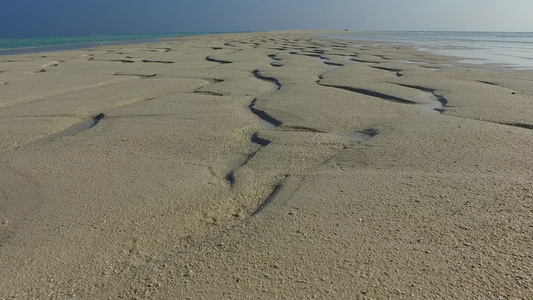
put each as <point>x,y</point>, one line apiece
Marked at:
<point>268,165</point>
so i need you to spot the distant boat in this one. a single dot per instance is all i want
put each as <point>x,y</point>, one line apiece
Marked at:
<point>345,29</point>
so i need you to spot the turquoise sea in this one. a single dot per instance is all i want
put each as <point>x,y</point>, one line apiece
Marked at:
<point>33,45</point>
<point>507,49</point>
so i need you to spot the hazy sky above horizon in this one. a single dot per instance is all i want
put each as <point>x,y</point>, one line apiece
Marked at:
<point>36,18</point>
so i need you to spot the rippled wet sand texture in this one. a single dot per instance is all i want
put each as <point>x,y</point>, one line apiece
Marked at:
<point>263,165</point>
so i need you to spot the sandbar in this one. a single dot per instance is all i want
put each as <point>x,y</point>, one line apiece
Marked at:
<point>263,165</point>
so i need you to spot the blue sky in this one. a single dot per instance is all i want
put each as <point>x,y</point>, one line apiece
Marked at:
<point>35,18</point>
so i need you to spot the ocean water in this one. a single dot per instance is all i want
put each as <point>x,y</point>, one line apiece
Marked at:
<point>507,49</point>
<point>34,45</point>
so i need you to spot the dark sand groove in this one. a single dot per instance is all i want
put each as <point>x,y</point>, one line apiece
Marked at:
<point>438,106</point>
<point>258,75</point>
<point>74,129</point>
<point>443,101</point>
<point>364,61</point>
<point>230,178</point>
<point>218,60</point>
<point>369,93</point>
<point>263,115</point>
<point>312,55</point>
<point>217,48</point>
<point>213,80</point>
<point>343,55</point>
<point>486,82</point>
<point>498,85</point>
<point>300,129</point>
<point>136,75</point>
<point>326,61</point>
<point>209,93</point>
<point>254,139</point>
<point>269,199</point>
<point>520,125</point>
<point>158,61</point>
<point>333,64</point>
<point>274,60</point>
<point>434,68</point>
<point>124,61</point>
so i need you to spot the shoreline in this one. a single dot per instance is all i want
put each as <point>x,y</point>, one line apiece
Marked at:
<point>119,40</point>
<point>70,47</point>
<point>263,165</point>
<point>495,50</point>
<point>466,58</point>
